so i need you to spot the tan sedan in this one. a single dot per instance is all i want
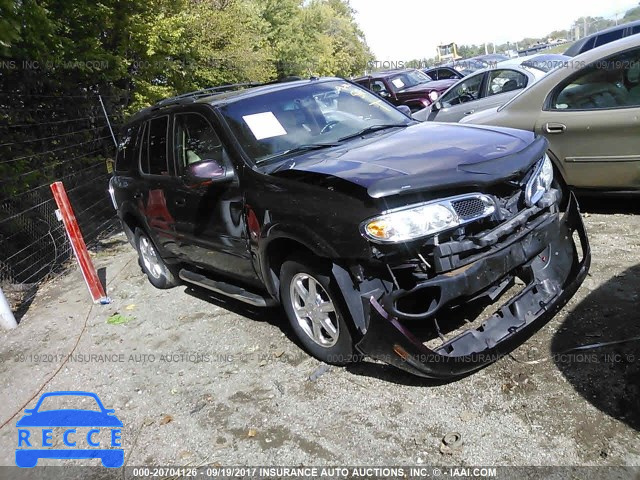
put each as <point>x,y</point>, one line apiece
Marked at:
<point>589,109</point>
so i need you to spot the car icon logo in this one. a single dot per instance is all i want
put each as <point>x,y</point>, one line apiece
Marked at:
<point>36,431</point>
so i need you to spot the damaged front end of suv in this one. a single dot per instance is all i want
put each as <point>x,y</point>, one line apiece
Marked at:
<point>518,238</point>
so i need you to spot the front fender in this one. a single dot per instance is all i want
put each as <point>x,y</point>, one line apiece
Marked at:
<point>305,238</point>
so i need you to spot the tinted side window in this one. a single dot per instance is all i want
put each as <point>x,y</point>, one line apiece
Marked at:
<point>195,140</point>
<point>608,83</point>
<point>635,30</point>
<point>153,156</point>
<point>588,45</point>
<point>127,148</point>
<point>445,74</point>
<point>609,37</point>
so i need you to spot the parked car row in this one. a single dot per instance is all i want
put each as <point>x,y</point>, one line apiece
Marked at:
<point>488,87</point>
<point>408,87</point>
<point>589,110</point>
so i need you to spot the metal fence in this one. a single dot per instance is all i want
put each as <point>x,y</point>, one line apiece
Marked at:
<point>35,151</point>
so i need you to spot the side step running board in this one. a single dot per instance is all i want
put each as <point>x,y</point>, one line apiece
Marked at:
<point>227,289</point>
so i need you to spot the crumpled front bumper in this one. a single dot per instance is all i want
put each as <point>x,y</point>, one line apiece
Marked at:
<point>554,272</point>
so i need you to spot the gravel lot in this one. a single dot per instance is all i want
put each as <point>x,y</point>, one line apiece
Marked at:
<point>198,380</point>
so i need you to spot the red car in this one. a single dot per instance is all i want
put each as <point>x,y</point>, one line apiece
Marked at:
<point>408,87</point>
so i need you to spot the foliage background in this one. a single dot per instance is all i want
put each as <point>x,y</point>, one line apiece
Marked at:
<point>57,56</point>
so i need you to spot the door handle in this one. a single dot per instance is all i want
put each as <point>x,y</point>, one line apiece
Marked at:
<point>180,202</point>
<point>554,127</point>
<point>469,112</point>
<point>137,195</point>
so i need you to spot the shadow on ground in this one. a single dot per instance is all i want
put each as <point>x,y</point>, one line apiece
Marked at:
<point>608,376</point>
<point>607,205</point>
<point>273,316</point>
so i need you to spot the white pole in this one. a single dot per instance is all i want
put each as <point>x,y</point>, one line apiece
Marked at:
<point>7,320</point>
<point>104,110</point>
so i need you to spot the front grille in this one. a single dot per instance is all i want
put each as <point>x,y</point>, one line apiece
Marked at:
<point>469,208</point>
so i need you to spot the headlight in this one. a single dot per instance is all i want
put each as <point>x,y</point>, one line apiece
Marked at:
<point>540,182</point>
<point>433,95</point>
<point>427,219</point>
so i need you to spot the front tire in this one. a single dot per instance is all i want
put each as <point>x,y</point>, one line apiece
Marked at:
<point>152,264</point>
<point>313,304</point>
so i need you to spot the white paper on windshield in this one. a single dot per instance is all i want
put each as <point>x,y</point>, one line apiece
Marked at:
<point>264,125</point>
<point>397,82</point>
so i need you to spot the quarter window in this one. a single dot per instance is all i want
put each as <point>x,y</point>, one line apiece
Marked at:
<point>196,140</point>
<point>608,83</point>
<point>153,156</point>
<point>127,148</point>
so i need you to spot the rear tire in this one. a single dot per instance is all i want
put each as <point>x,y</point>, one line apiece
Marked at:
<point>152,264</point>
<point>313,303</point>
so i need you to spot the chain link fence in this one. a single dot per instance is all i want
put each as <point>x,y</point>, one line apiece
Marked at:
<point>33,243</point>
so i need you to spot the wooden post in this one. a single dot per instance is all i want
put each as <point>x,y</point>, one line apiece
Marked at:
<point>96,290</point>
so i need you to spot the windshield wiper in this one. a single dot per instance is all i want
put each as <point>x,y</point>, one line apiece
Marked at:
<point>299,149</point>
<point>372,128</point>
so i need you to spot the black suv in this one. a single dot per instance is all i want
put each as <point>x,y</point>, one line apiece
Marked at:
<point>377,234</point>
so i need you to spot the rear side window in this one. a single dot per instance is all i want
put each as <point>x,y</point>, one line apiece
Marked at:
<point>503,81</point>
<point>609,37</point>
<point>153,155</point>
<point>445,74</point>
<point>127,149</point>
<point>588,45</point>
<point>635,30</point>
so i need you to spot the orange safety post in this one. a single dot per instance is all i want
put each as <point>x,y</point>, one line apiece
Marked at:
<point>77,243</point>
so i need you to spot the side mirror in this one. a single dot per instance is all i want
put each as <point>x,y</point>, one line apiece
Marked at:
<point>206,172</point>
<point>404,109</point>
<point>437,106</point>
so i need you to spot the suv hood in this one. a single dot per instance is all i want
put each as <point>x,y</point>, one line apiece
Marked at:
<point>426,156</point>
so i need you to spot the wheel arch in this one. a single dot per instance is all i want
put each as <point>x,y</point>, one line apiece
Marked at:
<point>277,249</point>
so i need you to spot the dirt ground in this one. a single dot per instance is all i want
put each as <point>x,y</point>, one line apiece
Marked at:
<point>198,380</point>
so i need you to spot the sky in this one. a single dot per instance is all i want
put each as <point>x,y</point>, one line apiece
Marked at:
<point>398,30</point>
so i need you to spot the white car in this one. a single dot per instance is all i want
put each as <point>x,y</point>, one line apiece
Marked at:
<point>490,87</point>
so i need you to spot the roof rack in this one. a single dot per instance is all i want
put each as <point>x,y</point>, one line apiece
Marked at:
<point>206,92</point>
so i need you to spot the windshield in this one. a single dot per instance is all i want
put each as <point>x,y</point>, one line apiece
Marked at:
<point>402,81</point>
<point>318,114</point>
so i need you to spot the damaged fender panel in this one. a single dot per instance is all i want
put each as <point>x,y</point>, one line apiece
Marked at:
<point>552,283</point>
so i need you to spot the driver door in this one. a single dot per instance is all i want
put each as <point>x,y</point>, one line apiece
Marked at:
<point>210,220</point>
<point>459,100</point>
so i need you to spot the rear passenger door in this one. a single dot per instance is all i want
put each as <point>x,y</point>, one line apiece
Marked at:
<point>157,181</point>
<point>209,218</point>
